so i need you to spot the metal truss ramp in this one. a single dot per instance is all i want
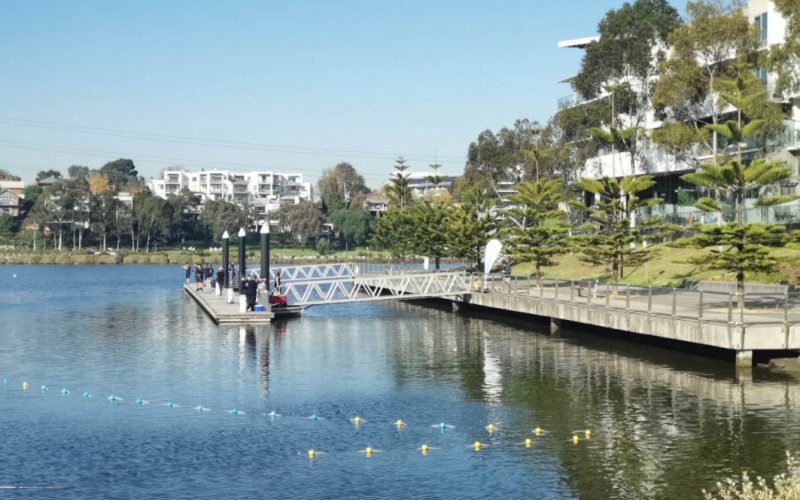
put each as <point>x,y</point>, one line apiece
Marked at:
<point>376,288</point>
<point>313,272</point>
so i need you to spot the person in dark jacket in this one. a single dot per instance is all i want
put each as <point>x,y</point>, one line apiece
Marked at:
<point>221,278</point>
<point>188,270</point>
<point>250,291</point>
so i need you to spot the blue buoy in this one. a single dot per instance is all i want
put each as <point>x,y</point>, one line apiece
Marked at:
<point>170,404</point>
<point>86,395</point>
<point>234,412</point>
<point>314,416</point>
<point>139,401</point>
<point>442,425</point>
<point>44,389</point>
<point>5,382</point>
<point>199,408</point>
<point>64,392</point>
<point>111,399</point>
<point>272,414</point>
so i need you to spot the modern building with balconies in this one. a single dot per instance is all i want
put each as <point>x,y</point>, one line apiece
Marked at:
<point>667,169</point>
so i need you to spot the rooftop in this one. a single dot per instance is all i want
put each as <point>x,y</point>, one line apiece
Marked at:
<point>577,43</point>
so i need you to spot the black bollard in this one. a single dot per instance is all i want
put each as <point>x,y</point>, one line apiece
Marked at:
<point>225,241</point>
<point>265,253</point>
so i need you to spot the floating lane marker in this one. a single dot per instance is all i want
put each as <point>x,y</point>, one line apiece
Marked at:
<point>476,446</point>
<point>142,402</point>
<point>425,449</point>
<point>490,428</point>
<point>444,426</point>
<point>200,409</point>
<point>528,443</point>
<point>24,386</point>
<point>272,414</point>
<point>368,451</point>
<point>64,392</point>
<point>86,395</point>
<point>314,417</point>
<point>5,382</point>
<point>399,424</point>
<point>235,412</point>
<point>539,432</point>
<point>357,420</point>
<point>43,389</point>
<point>171,405</point>
<point>113,399</point>
<point>575,439</point>
<point>587,433</point>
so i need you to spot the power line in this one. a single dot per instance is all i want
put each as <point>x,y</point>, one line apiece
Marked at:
<point>275,148</point>
<point>163,160</point>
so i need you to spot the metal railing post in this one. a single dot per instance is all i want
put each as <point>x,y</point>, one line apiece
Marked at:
<point>556,289</point>
<point>700,312</point>
<point>589,294</point>
<point>627,296</point>
<point>649,298</point>
<point>741,310</point>
<point>674,302</point>
<point>608,295</point>
<point>571,291</point>
<point>529,285</point>
<point>786,306</point>
<point>730,308</point>
<point>541,288</point>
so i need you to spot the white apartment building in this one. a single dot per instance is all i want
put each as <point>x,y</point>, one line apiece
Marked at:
<point>664,167</point>
<point>264,189</point>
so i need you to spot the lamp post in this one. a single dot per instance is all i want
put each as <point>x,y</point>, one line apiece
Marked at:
<point>225,239</point>
<point>265,253</point>
<point>242,270</point>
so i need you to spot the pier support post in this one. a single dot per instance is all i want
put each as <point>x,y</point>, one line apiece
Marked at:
<point>555,326</point>
<point>744,359</point>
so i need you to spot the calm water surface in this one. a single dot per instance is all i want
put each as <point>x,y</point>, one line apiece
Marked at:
<point>664,425</point>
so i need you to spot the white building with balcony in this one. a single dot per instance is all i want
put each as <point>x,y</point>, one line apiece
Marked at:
<point>667,169</point>
<point>266,190</point>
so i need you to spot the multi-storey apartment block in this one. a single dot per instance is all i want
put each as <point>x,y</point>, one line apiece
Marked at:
<point>264,190</point>
<point>667,169</point>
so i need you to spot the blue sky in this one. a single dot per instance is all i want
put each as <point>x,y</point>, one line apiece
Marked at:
<point>360,76</point>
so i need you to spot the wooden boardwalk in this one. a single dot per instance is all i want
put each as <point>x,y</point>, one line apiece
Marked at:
<point>227,314</point>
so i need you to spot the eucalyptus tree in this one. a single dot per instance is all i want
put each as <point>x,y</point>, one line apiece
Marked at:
<point>784,58</point>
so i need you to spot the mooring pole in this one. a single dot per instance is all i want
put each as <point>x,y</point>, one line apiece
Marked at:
<point>225,240</point>
<point>265,253</point>
<point>242,264</point>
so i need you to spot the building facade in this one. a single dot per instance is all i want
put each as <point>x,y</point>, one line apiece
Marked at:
<point>265,190</point>
<point>667,169</point>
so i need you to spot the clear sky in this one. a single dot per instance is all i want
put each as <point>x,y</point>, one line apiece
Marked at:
<point>370,78</point>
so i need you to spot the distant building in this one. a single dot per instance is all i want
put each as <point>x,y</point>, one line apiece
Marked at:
<point>265,190</point>
<point>376,204</point>
<point>420,184</point>
<point>46,182</point>
<point>15,187</point>
<point>10,202</point>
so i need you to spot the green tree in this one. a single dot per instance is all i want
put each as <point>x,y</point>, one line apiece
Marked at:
<point>78,172</point>
<point>784,58</point>
<point>609,233</point>
<point>470,225</point>
<point>352,225</point>
<point>44,174</point>
<point>31,193</point>
<point>701,54</point>
<point>8,227</point>
<point>429,238</point>
<point>338,185</point>
<point>5,175</point>
<point>304,222</point>
<point>154,218</point>
<point>624,54</point>
<point>399,189</point>
<point>736,248</point>
<point>539,230</point>
<point>394,233</point>
<point>120,173</point>
<point>323,247</point>
<point>220,216</point>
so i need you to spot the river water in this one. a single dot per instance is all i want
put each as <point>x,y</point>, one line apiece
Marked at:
<point>663,424</point>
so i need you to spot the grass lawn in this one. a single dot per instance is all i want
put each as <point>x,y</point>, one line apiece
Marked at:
<point>668,268</point>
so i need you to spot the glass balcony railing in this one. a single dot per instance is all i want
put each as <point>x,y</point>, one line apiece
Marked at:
<point>570,100</point>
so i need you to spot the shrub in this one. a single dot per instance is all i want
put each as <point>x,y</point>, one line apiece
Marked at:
<point>786,487</point>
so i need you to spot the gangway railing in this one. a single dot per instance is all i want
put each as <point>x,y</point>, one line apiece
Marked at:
<point>373,288</point>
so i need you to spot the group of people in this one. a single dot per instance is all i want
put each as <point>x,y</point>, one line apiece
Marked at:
<point>203,273</point>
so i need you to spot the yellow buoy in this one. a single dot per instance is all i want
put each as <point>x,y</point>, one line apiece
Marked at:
<point>575,439</point>
<point>24,386</point>
<point>356,420</point>
<point>490,428</point>
<point>311,453</point>
<point>399,423</point>
<point>537,431</point>
<point>528,443</point>
<point>588,434</point>
<point>424,449</point>
<point>368,451</point>
<point>477,445</point>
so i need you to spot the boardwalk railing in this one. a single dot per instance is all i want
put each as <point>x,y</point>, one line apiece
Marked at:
<point>722,307</point>
<point>378,287</point>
